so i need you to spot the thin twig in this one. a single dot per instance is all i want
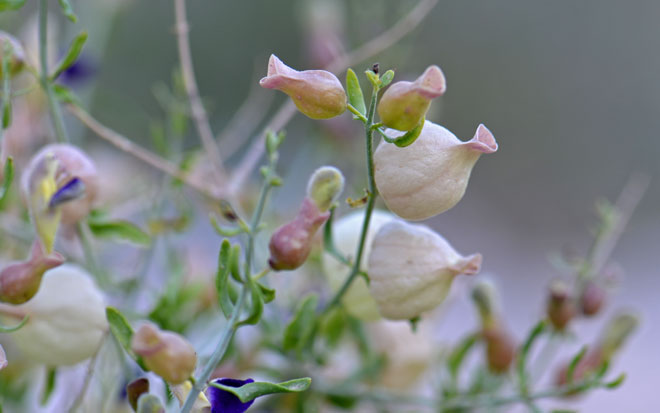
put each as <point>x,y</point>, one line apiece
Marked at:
<point>288,109</point>
<point>126,145</point>
<point>88,377</point>
<point>625,205</point>
<point>198,112</point>
<point>248,116</point>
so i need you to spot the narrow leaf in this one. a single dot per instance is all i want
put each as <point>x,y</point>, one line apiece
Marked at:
<point>406,139</point>
<point>68,10</point>
<point>457,356</point>
<point>119,231</point>
<point>224,232</point>
<point>574,363</point>
<point>235,263</point>
<point>616,382</point>
<point>268,294</point>
<point>222,279</point>
<point>4,329</point>
<point>6,115</point>
<point>71,55</point>
<point>354,91</point>
<point>256,307</point>
<point>65,95</point>
<point>387,78</point>
<point>121,330</point>
<point>8,178</point>
<point>301,327</point>
<point>11,4</point>
<point>251,391</point>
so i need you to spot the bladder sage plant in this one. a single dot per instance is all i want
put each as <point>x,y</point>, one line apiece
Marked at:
<point>259,330</point>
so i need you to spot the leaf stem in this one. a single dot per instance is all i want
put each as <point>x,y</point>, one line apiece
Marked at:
<point>232,324</point>
<point>371,200</point>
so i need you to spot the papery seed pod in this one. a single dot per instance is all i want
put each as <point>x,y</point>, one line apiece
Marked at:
<point>20,281</point>
<point>291,244</point>
<point>411,269</point>
<point>325,186</point>
<point>317,93</point>
<point>429,176</point>
<point>408,352</point>
<point>561,308</point>
<point>592,299</point>
<point>67,318</point>
<point>17,54</point>
<point>500,349</point>
<point>59,184</point>
<point>357,300</point>
<point>404,104</point>
<point>167,354</point>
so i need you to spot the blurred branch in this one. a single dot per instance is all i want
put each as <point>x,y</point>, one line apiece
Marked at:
<point>287,110</point>
<point>150,158</point>
<point>198,112</point>
<point>624,207</point>
<point>248,116</point>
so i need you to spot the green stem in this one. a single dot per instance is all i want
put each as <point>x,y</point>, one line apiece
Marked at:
<point>231,326</point>
<point>371,200</point>
<point>6,92</point>
<point>54,107</point>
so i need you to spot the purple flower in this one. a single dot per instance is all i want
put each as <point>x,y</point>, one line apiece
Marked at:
<point>224,402</point>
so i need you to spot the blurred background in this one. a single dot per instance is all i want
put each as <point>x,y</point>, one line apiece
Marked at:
<point>570,89</point>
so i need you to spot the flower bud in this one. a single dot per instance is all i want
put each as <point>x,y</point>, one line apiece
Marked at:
<point>135,389</point>
<point>616,333</point>
<point>592,299</point>
<point>486,299</point>
<point>167,354</point>
<point>411,269</point>
<point>346,231</point>
<point>67,318</point>
<point>590,363</point>
<point>17,54</point>
<point>317,93</point>
<point>429,176</point>
<point>20,281</point>
<point>561,308</point>
<point>291,244</point>
<point>500,349</point>
<point>404,104</point>
<point>60,184</point>
<point>325,186</point>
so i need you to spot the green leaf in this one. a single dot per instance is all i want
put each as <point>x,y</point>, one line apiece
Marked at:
<point>148,403</point>
<point>251,391</point>
<point>406,139</point>
<point>273,142</point>
<point>457,356</point>
<point>123,231</point>
<point>4,329</point>
<point>121,330</point>
<point>354,91</point>
<point>222,279</point>
<point>6,115</point>
<point>268,294</point>
<point>235,263</point>
<point>65,95</point>
<point>333,325</point>
<point>8,178</point>
<point>373,78</point>
<point>616,382</point>
<point>574,363</point>
<point>256,305</point>
<point>50,385</point>
<point>224,232</point>
<point>68,10</point>
<point>11,4</point>
<point>301,328</point>
<point>71,55</point>
<point>387,78</point>
<point>534,334</point>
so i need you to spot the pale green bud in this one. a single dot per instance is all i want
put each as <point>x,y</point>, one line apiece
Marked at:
<point>325,186</point>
